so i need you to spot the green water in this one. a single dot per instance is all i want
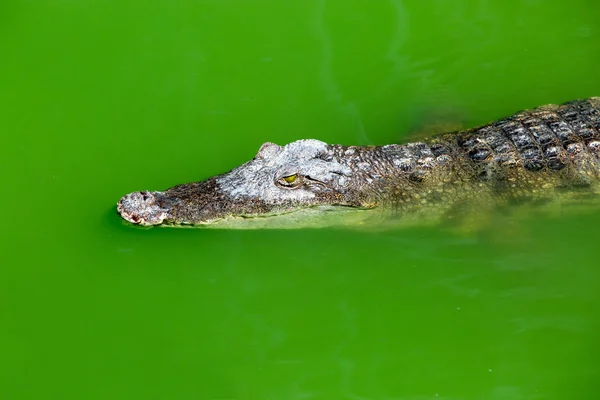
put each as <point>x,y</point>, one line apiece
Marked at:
<point>99,99</point>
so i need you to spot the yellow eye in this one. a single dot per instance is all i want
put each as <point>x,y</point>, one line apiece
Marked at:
<point>291,178</point>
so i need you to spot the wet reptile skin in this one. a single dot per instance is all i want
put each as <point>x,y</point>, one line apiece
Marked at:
<point>545,152</point>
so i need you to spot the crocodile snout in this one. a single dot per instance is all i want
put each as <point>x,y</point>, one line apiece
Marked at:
<point>143,208</point>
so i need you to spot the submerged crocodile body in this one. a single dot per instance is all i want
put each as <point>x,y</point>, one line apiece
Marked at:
<point>535,154</point>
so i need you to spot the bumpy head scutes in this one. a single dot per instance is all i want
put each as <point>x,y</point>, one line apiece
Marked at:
<point>267,150</point>
<point>308,158</point>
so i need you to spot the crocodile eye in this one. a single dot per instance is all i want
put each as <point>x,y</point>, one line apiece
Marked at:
<point>289,181</point>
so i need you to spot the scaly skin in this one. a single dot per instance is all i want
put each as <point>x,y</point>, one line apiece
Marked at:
<point>535,154</point>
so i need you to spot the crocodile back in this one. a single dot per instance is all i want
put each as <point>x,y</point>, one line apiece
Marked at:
<point>561,142</point>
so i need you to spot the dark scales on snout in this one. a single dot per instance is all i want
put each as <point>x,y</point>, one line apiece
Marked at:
<point>542,153</point>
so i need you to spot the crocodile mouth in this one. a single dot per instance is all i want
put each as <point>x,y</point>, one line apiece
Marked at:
<point>319,216</point>
<point>144,209</point>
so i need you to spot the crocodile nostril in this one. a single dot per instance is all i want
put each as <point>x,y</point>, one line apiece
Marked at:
<point>143,208</point>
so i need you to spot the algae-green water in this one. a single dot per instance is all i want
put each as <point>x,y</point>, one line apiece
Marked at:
<point>99,99</point>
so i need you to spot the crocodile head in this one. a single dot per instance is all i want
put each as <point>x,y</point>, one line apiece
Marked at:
<point>295,185</point>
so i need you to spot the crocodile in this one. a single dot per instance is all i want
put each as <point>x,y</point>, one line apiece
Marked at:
<point>548,152</point>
